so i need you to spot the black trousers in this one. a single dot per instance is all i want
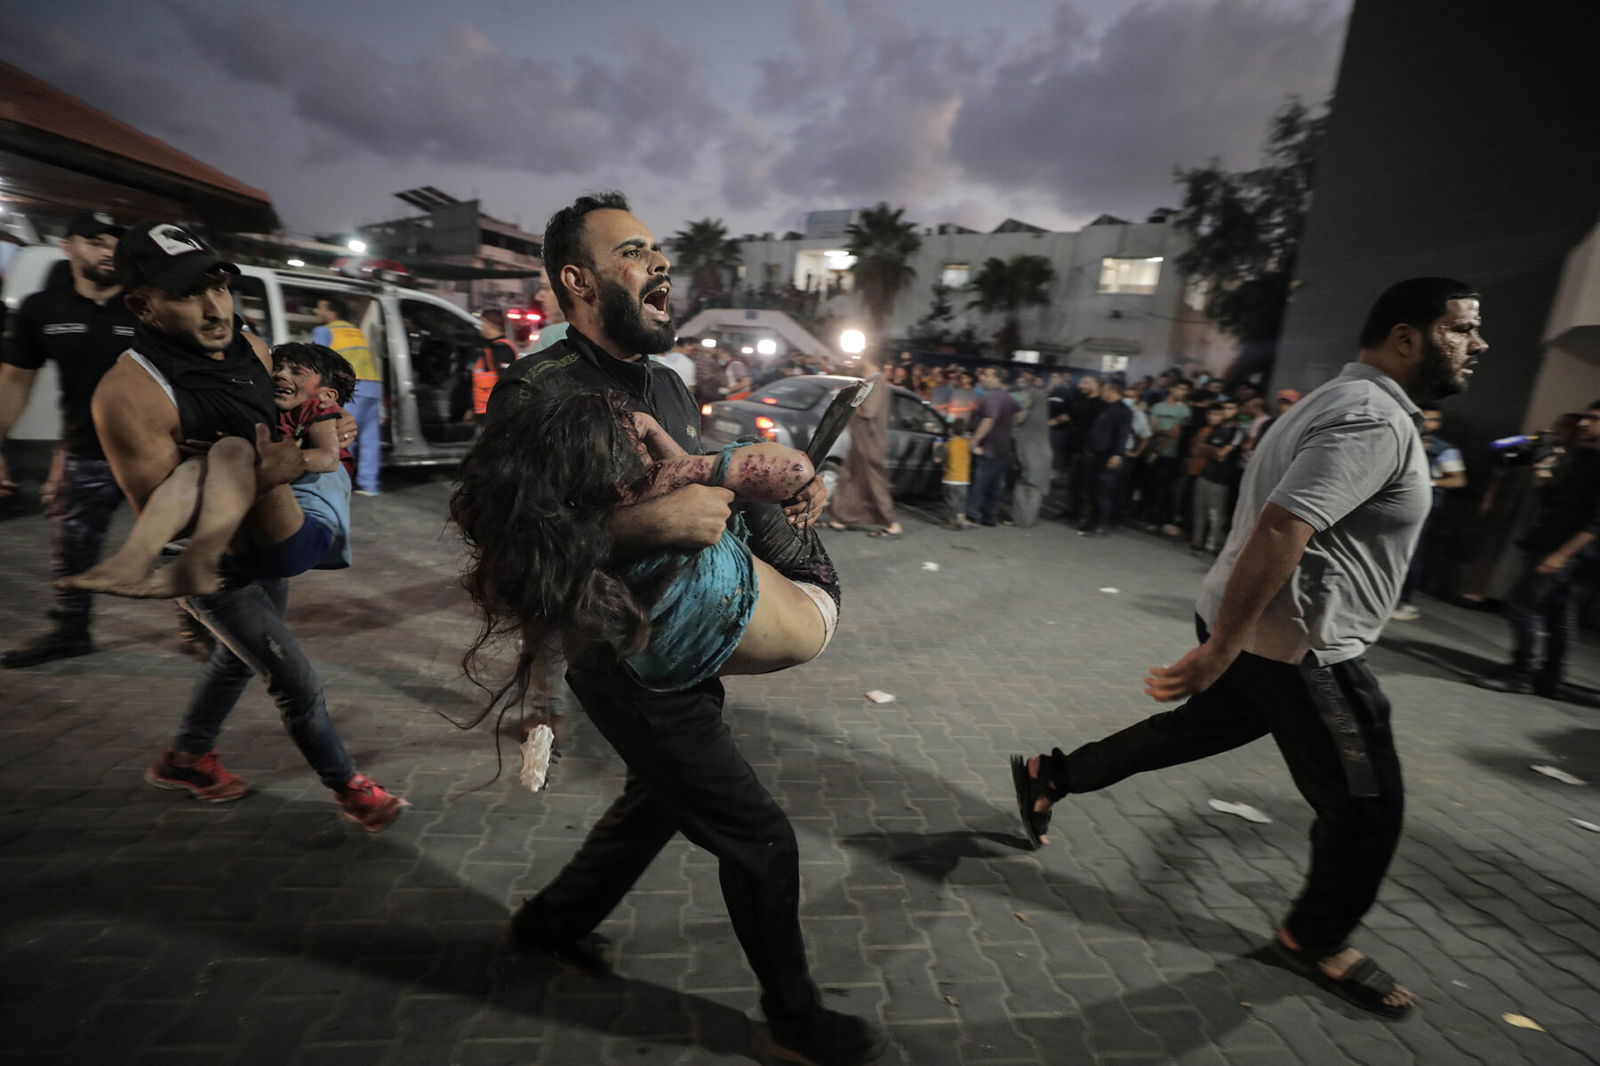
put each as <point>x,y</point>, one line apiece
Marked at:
<point>79,517</point>
<point>685,775</point>
<point>1354,836</point>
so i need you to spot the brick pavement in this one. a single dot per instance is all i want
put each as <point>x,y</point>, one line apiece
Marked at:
<point>141,927</point>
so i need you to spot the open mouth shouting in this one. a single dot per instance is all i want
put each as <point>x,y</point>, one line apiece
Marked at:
<point>655,302</point>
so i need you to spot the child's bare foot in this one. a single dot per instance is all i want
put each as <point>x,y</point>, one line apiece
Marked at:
<point>112,573</point>
<point>179,579</point>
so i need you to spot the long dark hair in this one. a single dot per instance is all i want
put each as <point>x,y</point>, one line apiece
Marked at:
<point>534,507</point>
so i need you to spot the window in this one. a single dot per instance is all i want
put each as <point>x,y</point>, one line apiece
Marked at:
<point>250,304</point>
<point>443,348</point>
<point>793,394</point>
<point>300,307</point>
<point>1130,277</point>
<point>910,413</point>
<point>1113,364</point>
<point>955,275</point>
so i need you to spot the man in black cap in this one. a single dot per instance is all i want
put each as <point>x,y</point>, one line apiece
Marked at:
<point>192,374</point>
<point>83,325</point>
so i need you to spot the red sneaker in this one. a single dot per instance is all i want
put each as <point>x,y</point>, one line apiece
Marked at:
<point>206,780</point>
<point>366,803</point>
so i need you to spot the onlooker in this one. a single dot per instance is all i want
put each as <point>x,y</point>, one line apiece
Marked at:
<point>992,444</point>
<point>338,333</point>
<point>964,398</point>
<point>1033,451</point>
<point>1554,548</point>
<point>82,325</point>
<point>863,497</point>
<point>1214,459</point>
<point>680,357</point>
<point>957,473</point>
<point>707,372</point>
<point>1448,471</point>
<point>492,361</point>
<point>1163,462</point>
<point>735,375</point>
<point>1106,447</point>
<point>1075,413</point>
<point>554,327</point>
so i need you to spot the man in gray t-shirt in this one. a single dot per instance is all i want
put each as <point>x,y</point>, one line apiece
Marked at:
<point>1328,514</point>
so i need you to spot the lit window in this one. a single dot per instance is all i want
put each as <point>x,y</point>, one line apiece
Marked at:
<point>1136,277</point>
<point>1113,364</point>
<point>955,275</point>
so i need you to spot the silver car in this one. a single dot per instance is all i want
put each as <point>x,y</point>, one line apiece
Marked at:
<point>787,410</point>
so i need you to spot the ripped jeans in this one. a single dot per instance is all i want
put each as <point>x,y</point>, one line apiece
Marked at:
<point>247,617</point>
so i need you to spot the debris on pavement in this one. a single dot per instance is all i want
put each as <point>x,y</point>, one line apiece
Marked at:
<point>1522,1021</point>
<point>1581,824</point>
<point>952,1001</point>
<point>1555,773</point>
<point>879,696</point>
<point>930,566</point>
<point>1019,916</point>
<point>1110,591</point>
<point>1243,810</point>
<point>538,749</point>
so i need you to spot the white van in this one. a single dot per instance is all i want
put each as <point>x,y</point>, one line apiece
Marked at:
<point>424,345</point>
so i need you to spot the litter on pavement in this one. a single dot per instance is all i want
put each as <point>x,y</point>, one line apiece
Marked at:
<point>930,566</point>
<point>1108,589</point>
<point>1590,826</point>
<point>1555,773</point>
<point>879,696</point>
<point>1243,810</point>
<point>1521,1021</point>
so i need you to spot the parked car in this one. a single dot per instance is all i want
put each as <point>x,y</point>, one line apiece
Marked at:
<point>787,410</point>
<point>424,345</point>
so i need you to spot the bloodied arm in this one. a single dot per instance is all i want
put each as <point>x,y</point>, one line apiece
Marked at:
<point>769,473</point>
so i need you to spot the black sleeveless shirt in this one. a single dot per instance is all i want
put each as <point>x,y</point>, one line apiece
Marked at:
<point>224,397</point>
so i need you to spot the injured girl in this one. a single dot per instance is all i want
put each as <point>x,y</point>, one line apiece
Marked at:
<point>542,569</point>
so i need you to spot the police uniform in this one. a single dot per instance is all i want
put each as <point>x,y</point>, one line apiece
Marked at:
<point>83,338</point>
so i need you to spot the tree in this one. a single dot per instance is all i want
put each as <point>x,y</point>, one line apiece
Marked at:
<point>1246,228</point>
<point>1007,286</point>
<point>704,252</point>
<point>883,246</point>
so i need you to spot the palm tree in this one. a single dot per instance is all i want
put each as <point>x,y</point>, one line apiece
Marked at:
<point>1008,286</point>
<point>704,252</point>
<point>882,244</point>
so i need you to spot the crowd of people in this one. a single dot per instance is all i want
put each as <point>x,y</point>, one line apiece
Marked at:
<point>600,533</point>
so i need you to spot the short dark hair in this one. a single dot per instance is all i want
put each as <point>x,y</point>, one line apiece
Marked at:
<point>958,426</point>
<point>494,317</point>
<point>1416,302</point>
<point>334,369</point>
<point>563,239</point>
<point>336,305</point>
<point>690,340</point>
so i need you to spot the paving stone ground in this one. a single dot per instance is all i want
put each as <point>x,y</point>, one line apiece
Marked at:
<point>143,928</point>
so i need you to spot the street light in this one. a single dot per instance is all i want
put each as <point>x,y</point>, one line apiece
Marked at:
<point>852,342</point>
<point>356,245</point>
<point>767,346</point>
<point>708,342</point>
<point>295,262</point>
<point>746,350</point>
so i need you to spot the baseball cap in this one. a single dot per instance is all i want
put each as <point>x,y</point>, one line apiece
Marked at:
<point>92,224</point>
<point>1292,395</point>
<point>166,256</point>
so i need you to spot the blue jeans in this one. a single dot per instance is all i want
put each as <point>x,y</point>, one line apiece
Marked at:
<point>367,409</point>
<point>1542,603</point>
<point>247,617</point>
<point>983,498</point>
<point>79,516</point>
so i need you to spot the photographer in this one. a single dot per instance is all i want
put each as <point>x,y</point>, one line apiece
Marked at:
<point>1567,496</point>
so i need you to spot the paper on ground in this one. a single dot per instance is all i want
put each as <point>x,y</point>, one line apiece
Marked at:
<point>1112,591</point>
<point>1581,824</point>
<point>879,696</point>
<point>930,566</point>
<point>537,750</point>
<point>1243,810</point>
<point>1558,774</point>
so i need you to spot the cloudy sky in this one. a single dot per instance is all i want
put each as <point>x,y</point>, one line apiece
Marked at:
<point>753,111</point>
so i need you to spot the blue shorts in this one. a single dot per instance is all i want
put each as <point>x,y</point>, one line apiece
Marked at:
<point>300,552</point>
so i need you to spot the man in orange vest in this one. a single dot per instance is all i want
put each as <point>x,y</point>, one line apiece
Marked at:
<point>497,354</point>
<point>338,333</point>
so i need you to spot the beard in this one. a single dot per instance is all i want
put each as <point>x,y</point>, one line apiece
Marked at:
<point>104,277</point>
<point>622,316</point>
<point>1436,376</point>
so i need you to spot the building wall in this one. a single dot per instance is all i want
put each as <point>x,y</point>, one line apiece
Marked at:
<point>1155,331</point>
<point>1461,143</point>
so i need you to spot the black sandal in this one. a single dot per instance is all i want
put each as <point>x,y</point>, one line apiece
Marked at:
<point>1031,789</point>
<point>1365,985</point>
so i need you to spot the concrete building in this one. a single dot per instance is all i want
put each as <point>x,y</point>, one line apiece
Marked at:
<point>1117,301</point>
<point>1461,143</point>
<point>452,231</point>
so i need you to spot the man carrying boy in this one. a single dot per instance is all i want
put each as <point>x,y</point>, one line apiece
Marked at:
<point>192,374</point>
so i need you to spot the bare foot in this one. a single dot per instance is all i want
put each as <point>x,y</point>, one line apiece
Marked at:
<point>114,572</point>
<point>174,581</point>
<point>1336,966</point>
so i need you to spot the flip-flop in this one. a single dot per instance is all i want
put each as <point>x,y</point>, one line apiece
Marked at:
<point>1035,823</point>
<point>1364,985</point>
<point>884,534</point>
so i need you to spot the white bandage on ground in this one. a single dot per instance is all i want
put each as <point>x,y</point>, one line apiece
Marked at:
<point>828,609</point>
